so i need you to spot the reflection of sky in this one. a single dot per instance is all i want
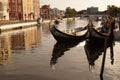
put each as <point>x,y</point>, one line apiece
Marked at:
<point>74,24</point>
<point>78,23</point>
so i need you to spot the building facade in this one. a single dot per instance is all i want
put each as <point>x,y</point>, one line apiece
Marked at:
<point>36,9</point>
<point>4,14</point>
<point>28,9</point>
<point>92,10</point>
<point>15,10</point>
<point>24,9</point>
<point>46,12</point>
<point>61,13</point>
<point>55,12</point>
<point>58,13</point>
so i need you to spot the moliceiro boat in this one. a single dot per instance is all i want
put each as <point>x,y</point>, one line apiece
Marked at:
<point>98,36</point>
<point>61,36</point>
<point>95,43</point>
<point>88,32</point>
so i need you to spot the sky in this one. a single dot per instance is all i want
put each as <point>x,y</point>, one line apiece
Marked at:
<point>80,4</point>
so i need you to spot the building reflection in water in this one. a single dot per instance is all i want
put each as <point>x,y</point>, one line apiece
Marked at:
<point>25,39</point>
<point>59,50</point>
<point>45,28</point>
<point>18,40</point>
<point>5,50</point>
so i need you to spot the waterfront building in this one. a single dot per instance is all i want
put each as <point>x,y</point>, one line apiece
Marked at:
<point>28,9</point>
<point>36,9</point>
<point>55,12</point>
<point>58,13</point>
<point>92,10</point>
<point>4,14</point>
<point>24,9</point>
<point>61,13</point>
<point>46,12</point>
<point>15,10</point>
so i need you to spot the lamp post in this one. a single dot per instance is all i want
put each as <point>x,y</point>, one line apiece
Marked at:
<point>25,16</point>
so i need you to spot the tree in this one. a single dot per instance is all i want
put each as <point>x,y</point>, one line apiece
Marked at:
<point>113,10</point>
<point>70,12</point>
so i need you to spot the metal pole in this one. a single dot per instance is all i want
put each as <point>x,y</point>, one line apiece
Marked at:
<point>103,60</point>
<point>119,23</point>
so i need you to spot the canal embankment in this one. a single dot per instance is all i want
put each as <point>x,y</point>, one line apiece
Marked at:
<point>13,25</point>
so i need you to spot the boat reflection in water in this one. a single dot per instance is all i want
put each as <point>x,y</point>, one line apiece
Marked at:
<point>93,50</point>
<point>59,50</point>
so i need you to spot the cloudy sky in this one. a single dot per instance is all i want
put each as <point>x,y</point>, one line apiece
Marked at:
<point>80,4</point>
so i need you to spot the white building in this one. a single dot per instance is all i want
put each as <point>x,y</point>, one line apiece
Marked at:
<point>92,10</point>
<point>58,13</point>
<point>4,10</point>
<point>55,12</point>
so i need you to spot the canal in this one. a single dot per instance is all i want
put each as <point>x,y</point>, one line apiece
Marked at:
<point>25,54</point>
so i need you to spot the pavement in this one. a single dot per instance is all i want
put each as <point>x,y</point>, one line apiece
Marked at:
<point>15,24</point>
<point>6,25</point>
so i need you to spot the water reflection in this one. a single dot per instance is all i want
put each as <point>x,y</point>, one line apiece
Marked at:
<point>45,28</point>
<point>59,50</point>
<point>93,50</point>
<point>23,39</point>
<point>5,51</point>
<point>70,24</point>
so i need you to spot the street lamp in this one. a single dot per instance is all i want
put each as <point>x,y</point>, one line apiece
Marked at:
<point>25,16</point>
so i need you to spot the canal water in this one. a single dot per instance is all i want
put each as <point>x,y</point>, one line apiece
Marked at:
<point>33,54</point>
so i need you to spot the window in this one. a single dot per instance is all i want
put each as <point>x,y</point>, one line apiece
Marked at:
<point>19,1</point>
<point>13,8</point>
<point>13,1</point>
<point>1,6</point>
<point>19,8</point>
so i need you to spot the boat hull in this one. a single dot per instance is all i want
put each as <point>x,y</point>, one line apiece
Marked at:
<point>64,37</point>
